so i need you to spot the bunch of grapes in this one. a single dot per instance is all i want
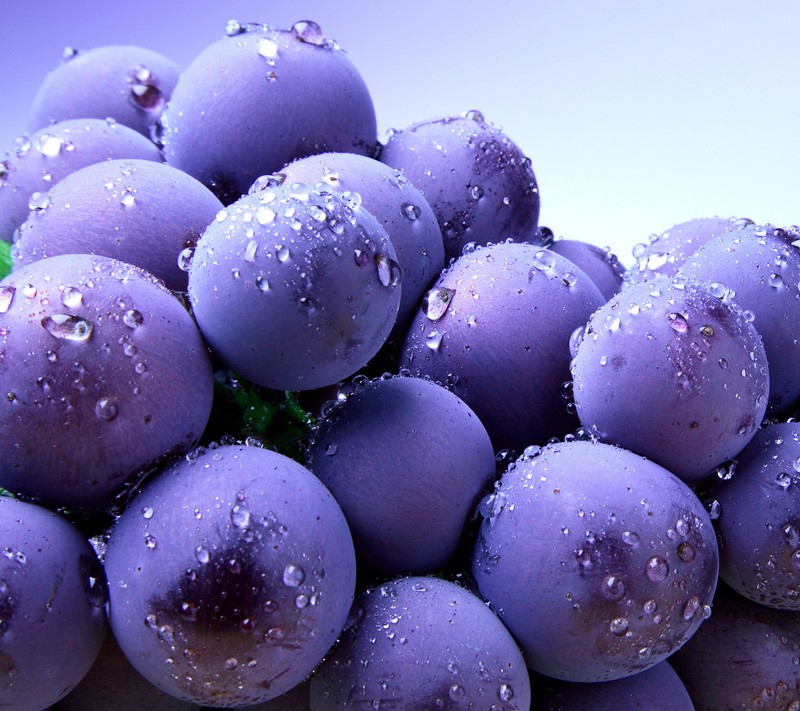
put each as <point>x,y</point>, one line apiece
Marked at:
<point>293,418</point>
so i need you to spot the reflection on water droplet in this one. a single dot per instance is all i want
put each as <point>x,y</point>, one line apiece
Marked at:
<point>656,568</point>
<point>106,409</point>
<point>66,327</point>
<point>185,259</point>
<point>618,626</point>
<point>612,588</point>
<point>389,272</point>
<point>39,202</point>
<point>267,48</point>
<point>678,322</point>
<point>544,260</point>
<point>308,32</point>
<point>433,340</point>
<point>6,297</point>
<point>412,212</point>
<point>293,575</point>
<point>436,302</point>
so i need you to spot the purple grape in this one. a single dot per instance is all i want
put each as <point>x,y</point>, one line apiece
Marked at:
<point>398,206</point>
<point>600,265</point>
<point>495,330</point>
<point>103,372</point>
<point>744,657</point>
<point>761,267</point>
<point>759,518</point>
<point>600,562</point>
<point>52,597</point>
<point>128,84</point>
<point>260,98</point>
<point>295,287</point>
<point>658,688</point>
<point>674,372</point>
<point>230,575</point>
<point>137,211</point>
<point>478,182</point>
<point>406,513</point>
<point>664,254</point>
<point>34,164</point>
<point>423,643</point>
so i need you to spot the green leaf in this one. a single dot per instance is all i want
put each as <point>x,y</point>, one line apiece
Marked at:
<point>5,258</point>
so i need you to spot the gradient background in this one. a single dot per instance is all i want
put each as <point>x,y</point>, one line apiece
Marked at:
<point>636,115</point>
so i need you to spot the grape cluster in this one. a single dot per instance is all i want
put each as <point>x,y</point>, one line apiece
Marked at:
<point>293,418</point>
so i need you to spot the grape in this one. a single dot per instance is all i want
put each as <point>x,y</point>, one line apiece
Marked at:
<point>478,182</point>
<point>600,265</point>
<point>260,98</point>
<point>108,363</point>
<point>672,371</point>
<point>137,211</point>
<point>495,330</point>
<point>398,206</point>
<point>35,163</point>
<point>406,513</point>
<point>423,643</point>
<point>600,562</point>
<point>666,253</point>
<point>759,518</point>
<point>52,597</point>
<point>231,575</point>
<point>761,267</point>
<point>125,83</point>
<point>744,657</point>
<point>658,688</point>
<point>295,287</point>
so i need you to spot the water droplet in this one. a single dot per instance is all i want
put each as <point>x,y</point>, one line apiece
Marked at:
<point>202,555</point>
<point>240,516</point>
<point>39,202</point>
<point>412,212</point>
<point>691,608</point>
<point>457,692</point>
<point>150,541</point>
<point>265,215</point>
<point>474,115</point>
<point>544,260</point>
<point>308,32</point>
<point>262,284</point>
<point>569,278</point>
<point>267,48</point>
<point>686,552</point>
<point>293,575</point>
<point>351,198</point>
<point>650,606</point>
<point>106,409</point>
<point>656,568</point>
<point>630,538</point>
<point>714,508</point>
<point>433,340</point>
<point>185,259</point>
<point>505,692</point>
<point>148,512</point>
<point>49,145</point>
<point>775,280</point>
<point>127,199</point>
<point>66,327</point>
<point>132,318</point>
<point>678,322</point>
<point>707,331</point>
<point>144,92</point>
<point>612,588</point>
<point>389,272</point>
<point>783,480</point>
<point>618,626</point>
<point>231,663</point>
<point>331,449</point>
<point>6,297</point>
<point>71,297</point>
<point>436,302</point>
<point>726,470</point>
<point>476,192</point>
<point>282,253</point>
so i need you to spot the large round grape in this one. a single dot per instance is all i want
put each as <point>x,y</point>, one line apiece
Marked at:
<point>137,211</point>
<point>658,688</point>
<point>759,518</point>
<point>126,83</point>
<point>52,597</point>
<point>495,329</point>
<point>744,657</point>
<point>675,372</point>
<point>398,206</point>
<point>406,512</point>
<point>260,98</point>
<point>35,163</point>
<point>230,576</point>
<point>103,373</point>
<point>665,253</point>
<point>761,266</point>
<point>600,562</point>
<point>295,287</point>
<point>423,643</point>
<point>477,180</point>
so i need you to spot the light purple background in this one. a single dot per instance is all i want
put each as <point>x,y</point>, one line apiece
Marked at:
<point>637,115</point>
